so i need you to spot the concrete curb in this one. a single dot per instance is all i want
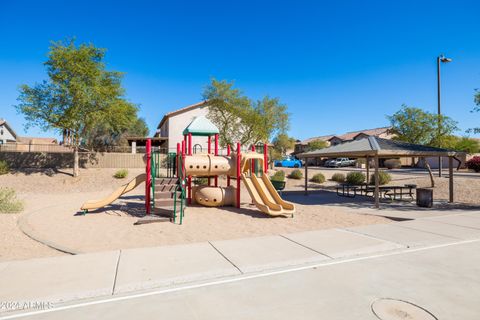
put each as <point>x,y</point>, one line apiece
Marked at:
<point>27,230</point>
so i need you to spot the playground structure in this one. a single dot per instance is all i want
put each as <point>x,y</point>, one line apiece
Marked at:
<point>171,194</point>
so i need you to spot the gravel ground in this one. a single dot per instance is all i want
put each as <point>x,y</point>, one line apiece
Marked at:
<point>61,196</point>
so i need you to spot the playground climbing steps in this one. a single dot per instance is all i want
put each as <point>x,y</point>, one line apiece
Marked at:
<point>166,193</point>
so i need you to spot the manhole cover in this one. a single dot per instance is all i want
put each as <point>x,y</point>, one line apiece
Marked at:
<point>391,309</point>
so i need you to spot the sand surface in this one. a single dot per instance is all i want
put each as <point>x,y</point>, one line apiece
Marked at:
<point>52,204</point>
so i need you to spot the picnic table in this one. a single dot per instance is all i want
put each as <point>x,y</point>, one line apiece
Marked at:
<point>386,192</point>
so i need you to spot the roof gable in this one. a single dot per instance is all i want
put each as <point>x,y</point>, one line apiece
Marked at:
<point>5,123</point>
<point>178,111</point>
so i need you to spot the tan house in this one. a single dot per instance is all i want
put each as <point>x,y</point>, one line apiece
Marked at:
<point>333,140</point>
<point>10,141</point>
<point>173,123</point>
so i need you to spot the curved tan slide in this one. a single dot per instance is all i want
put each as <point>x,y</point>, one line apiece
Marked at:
<point>261,190</point>
<point>266,198</point>
<point>96,204</point>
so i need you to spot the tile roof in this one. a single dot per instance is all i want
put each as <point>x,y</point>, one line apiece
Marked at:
<point>378,146</point>
<point>349,135</point>
<point>323,138</point>
<point>369,132</point>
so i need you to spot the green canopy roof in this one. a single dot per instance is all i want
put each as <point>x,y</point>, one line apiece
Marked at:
<point>201,126</point>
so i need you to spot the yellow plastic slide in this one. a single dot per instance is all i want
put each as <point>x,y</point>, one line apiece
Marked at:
<point>262,192</point>
<point>96,204</point>
<point>266,198</point>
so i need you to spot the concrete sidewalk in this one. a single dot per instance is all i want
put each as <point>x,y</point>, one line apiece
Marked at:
<point>68,278</point>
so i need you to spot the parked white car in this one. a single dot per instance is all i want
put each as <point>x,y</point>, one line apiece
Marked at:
<point>340,162</point>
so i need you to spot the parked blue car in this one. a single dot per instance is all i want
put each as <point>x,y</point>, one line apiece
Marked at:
<point>289,162</point>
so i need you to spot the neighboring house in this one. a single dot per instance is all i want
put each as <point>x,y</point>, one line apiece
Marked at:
<point>333,140</point>
<point>382,132</point>
<point>301,146</point>
<point>173,123</point>
<point>10,141</point>
<point>7,134</point>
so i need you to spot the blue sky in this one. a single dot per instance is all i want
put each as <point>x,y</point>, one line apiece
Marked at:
<point>338,65</point>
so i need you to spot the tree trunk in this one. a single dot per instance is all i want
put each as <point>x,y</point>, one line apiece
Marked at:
<point>427,165</point>
<point>75,162</point>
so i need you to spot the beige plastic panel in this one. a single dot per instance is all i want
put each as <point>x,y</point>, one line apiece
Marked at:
<point>209,165</point>
<point>214,196</point>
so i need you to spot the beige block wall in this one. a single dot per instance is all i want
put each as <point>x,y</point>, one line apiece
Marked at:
<point>22,160</point>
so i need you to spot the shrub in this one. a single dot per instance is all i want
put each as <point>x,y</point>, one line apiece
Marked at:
<point>338,177</point>
<point>121,174</point>
<point>296,174</point>
<point>4,168</point>
<point>355,177</point>
<point>318,178</point>
<point>392,163</point>
<point>9,202</point>
<point>200,181</point>
<point>278,176</point>
<point>474,164</point>
<point>383,178</point>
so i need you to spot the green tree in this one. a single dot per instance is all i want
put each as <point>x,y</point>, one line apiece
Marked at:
<point>282,143</point>
<point>238,118</point>
<point>413,125</point>
<point>103,137</point>
<point>467,145</point>
<point>79,95</point>
<point>476,100</point>
<point>316,145</point>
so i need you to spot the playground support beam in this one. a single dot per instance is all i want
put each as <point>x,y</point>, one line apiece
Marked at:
<point>216,153</point>
<point>209,150</point>
<point>228,177</point>
<point>306,176</point>
<point>186,144</point>
<point>265,158</point>
<point>189,144</point>
<point>189,177</point>
<point>176,160</point>
<point>377,182</point>
<point>148,180</point>
<point>252,164</point>
<point>239,155</point>
<point>183,160</point>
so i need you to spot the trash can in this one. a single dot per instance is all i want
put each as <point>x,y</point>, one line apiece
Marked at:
<point>425,197</point>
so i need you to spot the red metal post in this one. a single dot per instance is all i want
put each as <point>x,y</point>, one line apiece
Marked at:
<point>238,174</point>
<point>216,153</point>
<point>189,176</point>
<point>176,159</point>
<point>209,150</point>
<point>183,159</point>
<point>228,154</point>
<point>186,142</point>
<point>189,144</point>
<point>252,165</point>
<point>148,180</point>
<point>265,158</point>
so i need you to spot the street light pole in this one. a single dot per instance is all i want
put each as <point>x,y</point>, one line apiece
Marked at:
<point>440,59</point>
